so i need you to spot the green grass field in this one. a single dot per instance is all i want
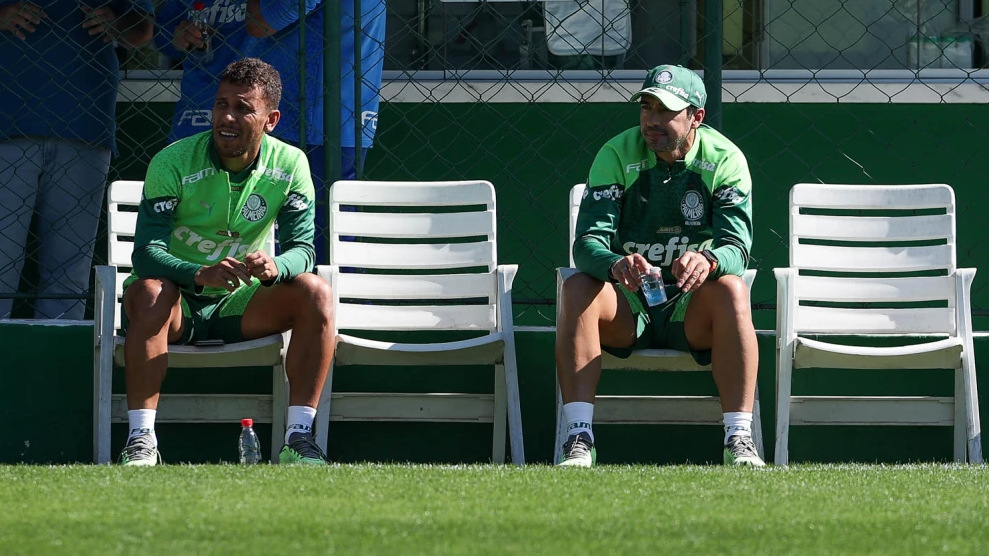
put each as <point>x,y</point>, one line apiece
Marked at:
<point>400,510</point>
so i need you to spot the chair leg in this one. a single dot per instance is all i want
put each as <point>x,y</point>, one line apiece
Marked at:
<point>514,402</point>
<point>784,371</point>
<point>500,415</point>
<point>323,411</point>
<point>560,425</point>
<point>279,408</point>
<point>102,396</point>
<point>757,425</point>
<point>960,443</point>
<point>973,426</point>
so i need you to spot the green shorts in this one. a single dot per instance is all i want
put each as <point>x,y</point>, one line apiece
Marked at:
<point>659,327</point>
<point>209,317</point>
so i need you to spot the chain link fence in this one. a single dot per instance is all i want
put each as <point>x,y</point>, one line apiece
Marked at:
<point>524,93</point>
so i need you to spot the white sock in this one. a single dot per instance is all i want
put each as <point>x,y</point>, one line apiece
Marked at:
<point>300,418</point>
<point>579,416</point>
<point>142,421</point>
<point>738,423</point>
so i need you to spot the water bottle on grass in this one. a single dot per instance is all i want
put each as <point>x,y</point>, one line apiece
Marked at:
<point>249,445</point>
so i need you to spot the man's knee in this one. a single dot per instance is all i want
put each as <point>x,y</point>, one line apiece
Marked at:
<point>150,300</point>
<point>313,294</point>
<point>582,288</point>
<point>730,294</point>
<point>582,294</point>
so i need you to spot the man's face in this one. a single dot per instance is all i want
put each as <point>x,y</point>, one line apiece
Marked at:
<point>663,129</point>
<point>241,117</point>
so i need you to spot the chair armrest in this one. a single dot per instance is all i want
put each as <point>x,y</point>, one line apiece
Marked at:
<point>331,274</point>
<point>506,277</point>
<point>104,304</point>
<point>562,273</point>
<point>786,304</point>
<point>509,271</point>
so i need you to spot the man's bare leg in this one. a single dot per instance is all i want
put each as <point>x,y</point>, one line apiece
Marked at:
<point>304,305</point>
<point>155,314</point>
<point>719,318</point>
<point>592,314</point>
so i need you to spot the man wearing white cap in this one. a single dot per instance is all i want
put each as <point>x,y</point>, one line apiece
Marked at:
<point>675,194</point>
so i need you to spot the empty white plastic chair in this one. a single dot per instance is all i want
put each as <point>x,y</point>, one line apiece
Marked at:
<point>885,236</point>
<point>436,243</point>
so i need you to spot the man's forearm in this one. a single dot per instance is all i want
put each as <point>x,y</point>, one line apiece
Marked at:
<point>257,25</point>
<point>134,29</point>
<point>731,260</point>
<point>592,257</point>
<point>154,262</point>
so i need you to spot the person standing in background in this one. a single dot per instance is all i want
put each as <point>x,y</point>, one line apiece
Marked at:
<point>57,126</point>
<point>269,30</point>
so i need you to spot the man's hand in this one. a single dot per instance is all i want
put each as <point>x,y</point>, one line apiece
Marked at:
<point>228,274</point>
<point>261,266</point>
<point>101,20</point>
<point>690,270</point>
<point>626,271</point>
<point>20,17</point>
<point>187,36</point>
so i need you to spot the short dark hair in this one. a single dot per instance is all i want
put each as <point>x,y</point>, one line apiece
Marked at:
<point>253,72</point>
<point>691,110</point>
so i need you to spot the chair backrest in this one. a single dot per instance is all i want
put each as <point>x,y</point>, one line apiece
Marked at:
<point>873,259</point>
<point>425,255</point>
<point>123,199</point>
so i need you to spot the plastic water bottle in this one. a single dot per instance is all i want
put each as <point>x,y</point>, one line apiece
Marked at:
<point>203,54</point>
<point>249,446</point>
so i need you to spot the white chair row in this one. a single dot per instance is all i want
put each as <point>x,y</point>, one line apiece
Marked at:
<point>436,270</point>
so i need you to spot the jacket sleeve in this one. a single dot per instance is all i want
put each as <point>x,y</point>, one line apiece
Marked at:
<point>600,210</point>
<point>279,14</point>
<point>169,15</point>
<point>153,234</point>
<point>732,216</point>
<point>297,226</point>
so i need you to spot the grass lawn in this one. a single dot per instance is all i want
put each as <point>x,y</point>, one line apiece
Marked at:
<point>400,510</point>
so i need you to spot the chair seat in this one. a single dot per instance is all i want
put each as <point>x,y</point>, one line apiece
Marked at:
<point>940,354</point>
<point>485,350</point>
<point>261,352</point>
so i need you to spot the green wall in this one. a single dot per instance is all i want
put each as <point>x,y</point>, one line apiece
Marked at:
<point>533,154</point>
<point>46,394</point>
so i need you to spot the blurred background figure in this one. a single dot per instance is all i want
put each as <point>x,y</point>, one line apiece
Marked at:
<point>57,126</point>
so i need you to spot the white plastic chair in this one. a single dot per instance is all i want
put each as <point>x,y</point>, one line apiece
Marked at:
<point>642,410</point>
<point>443,275</point>
<point>827,213</point>
<point>173,408</point>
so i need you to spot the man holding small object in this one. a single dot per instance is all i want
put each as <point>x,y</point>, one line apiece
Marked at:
<point>200,274</point>
<point>674,194</point>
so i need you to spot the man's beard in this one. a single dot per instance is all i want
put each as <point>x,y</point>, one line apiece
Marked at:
<point>671,144</point>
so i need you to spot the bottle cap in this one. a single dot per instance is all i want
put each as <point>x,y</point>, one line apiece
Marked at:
<point>247,422</point>
<point>199,6</point>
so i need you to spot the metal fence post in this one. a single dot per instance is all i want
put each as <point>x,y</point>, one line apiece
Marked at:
<point>331,104</point>
<point>712,61</point>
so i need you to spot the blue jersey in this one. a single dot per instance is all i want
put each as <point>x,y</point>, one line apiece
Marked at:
<point>61,82</point>
<point>232,42</point>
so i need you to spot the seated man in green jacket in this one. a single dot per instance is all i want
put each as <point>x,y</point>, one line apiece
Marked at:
<point>675,194</point>
<point>200,271</point>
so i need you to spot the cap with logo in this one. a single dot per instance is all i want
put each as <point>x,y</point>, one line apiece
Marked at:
<point>675,86</point>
